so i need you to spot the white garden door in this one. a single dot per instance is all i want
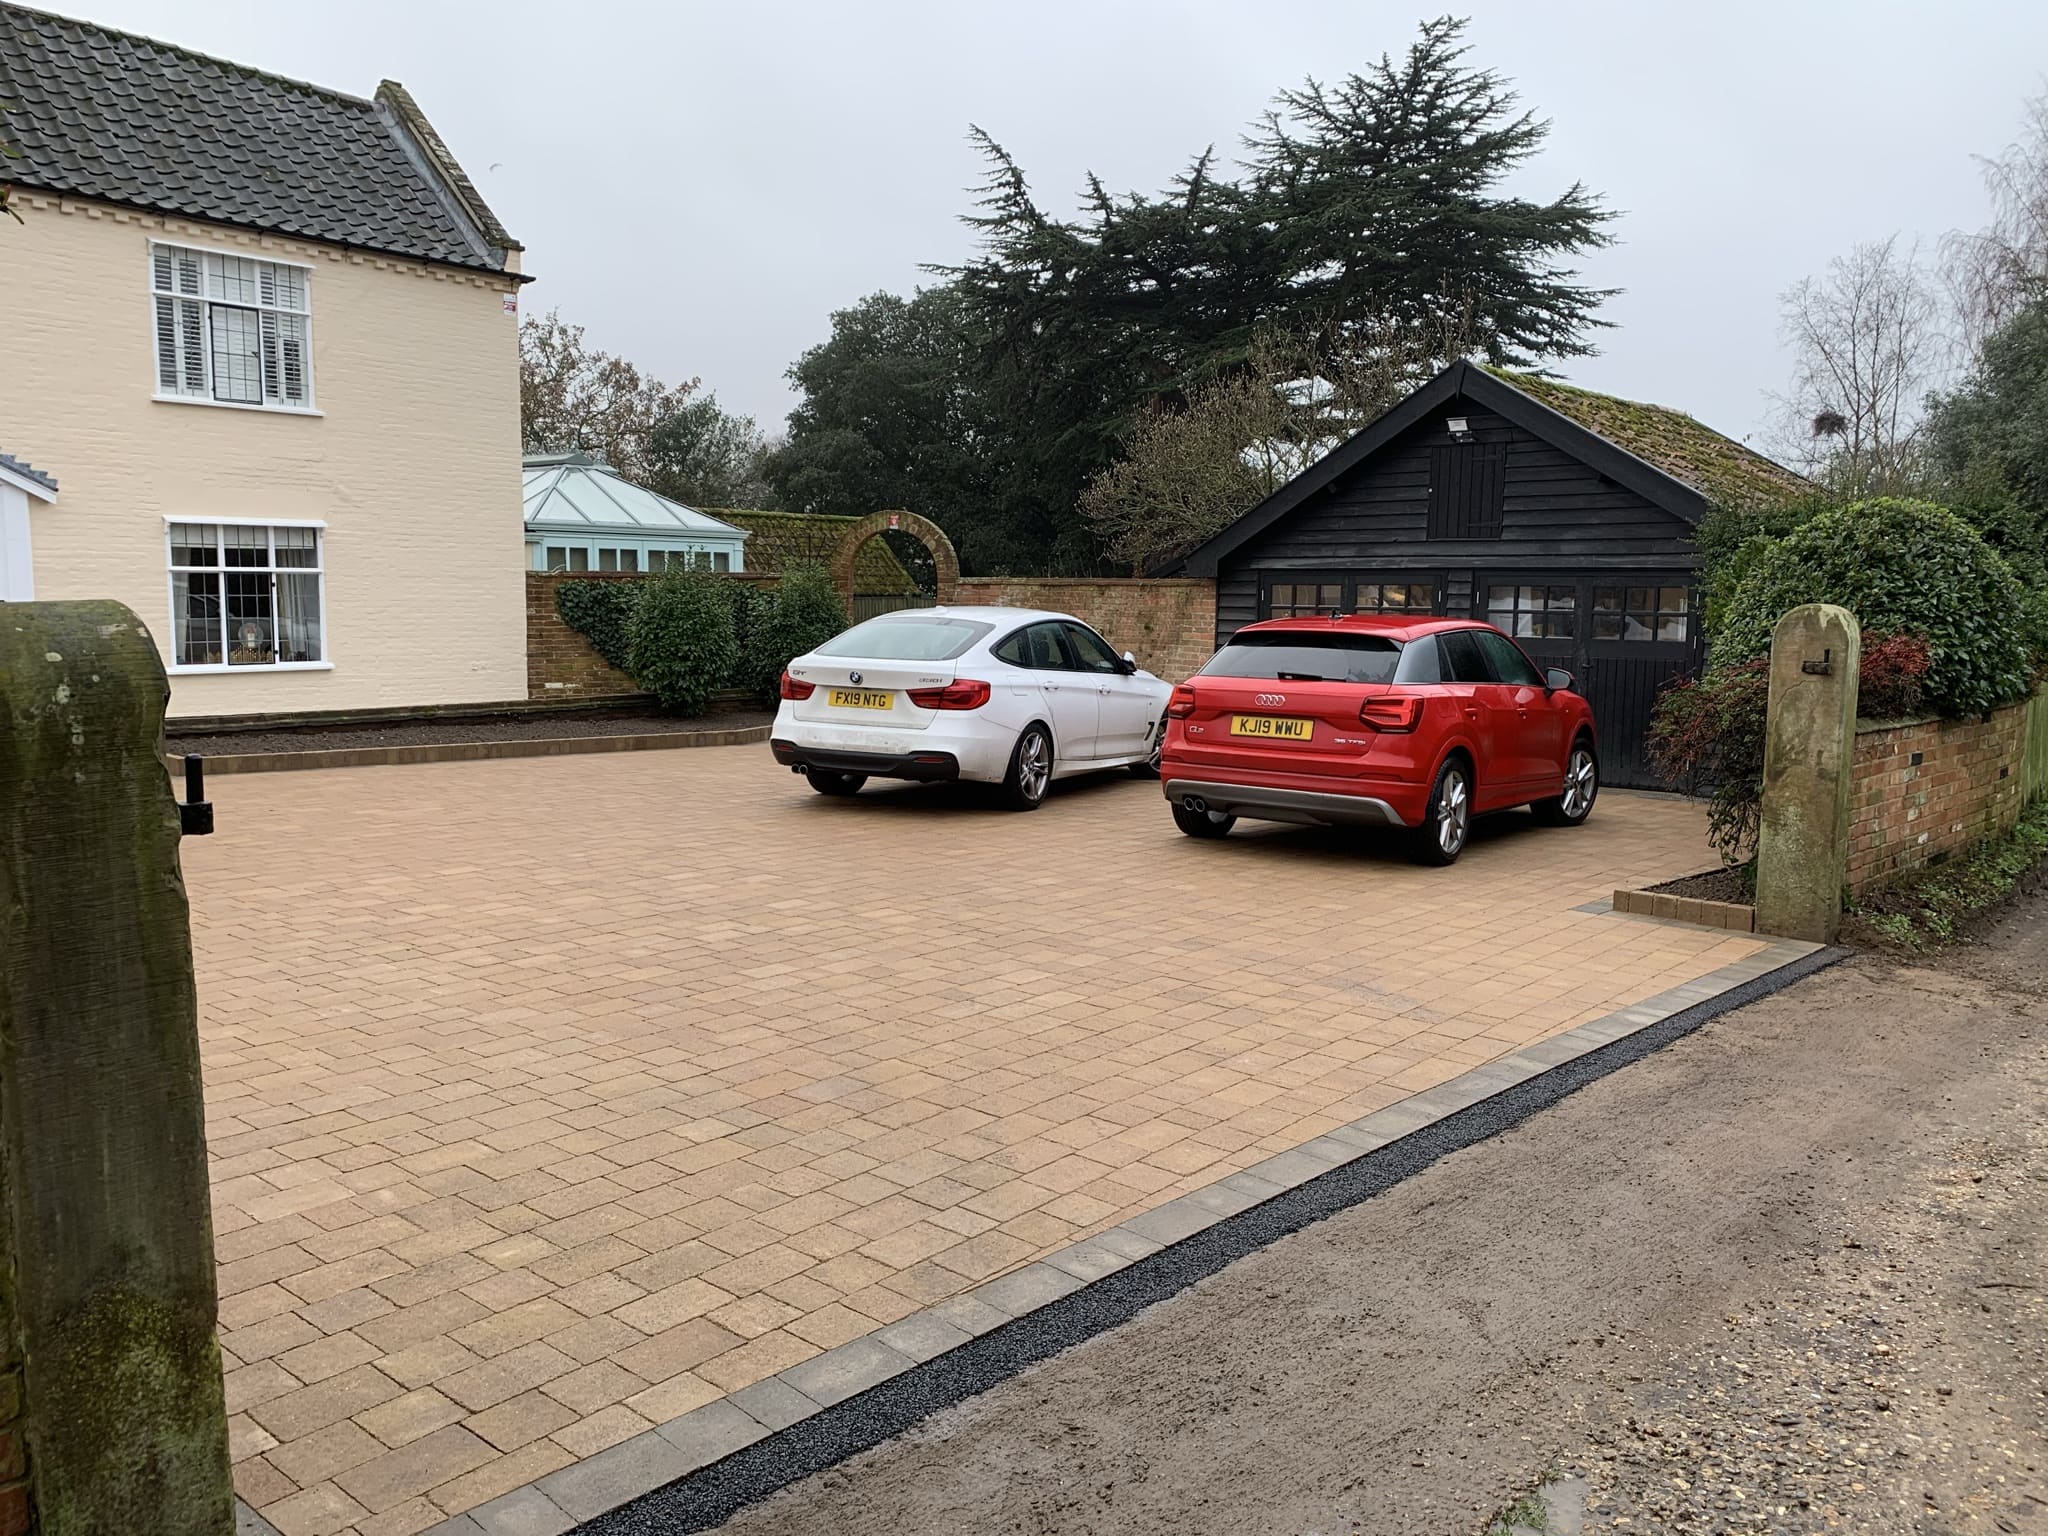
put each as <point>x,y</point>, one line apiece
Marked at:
<point>17,567</point>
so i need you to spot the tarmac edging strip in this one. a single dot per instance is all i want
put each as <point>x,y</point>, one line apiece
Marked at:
<point>694,1472</point>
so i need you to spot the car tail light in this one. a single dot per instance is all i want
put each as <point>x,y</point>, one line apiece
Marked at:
<point>1182,704</point>
<point>961,693</point>
<point>1394,715</point>
<point>796,688</point>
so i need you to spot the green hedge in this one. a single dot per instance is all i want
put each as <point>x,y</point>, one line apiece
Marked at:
<point>1902,567</point>
<point>762,629</point>
<point>602,613</point>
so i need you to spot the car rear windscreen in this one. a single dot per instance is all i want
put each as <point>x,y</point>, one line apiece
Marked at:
<point>1307,658</point>
<point>903,637</point>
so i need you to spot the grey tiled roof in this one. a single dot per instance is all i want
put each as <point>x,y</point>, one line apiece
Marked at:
<point>26,470</point>
<point>109,115</point>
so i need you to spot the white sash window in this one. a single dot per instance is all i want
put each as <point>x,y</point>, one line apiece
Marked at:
<point>231,329</point>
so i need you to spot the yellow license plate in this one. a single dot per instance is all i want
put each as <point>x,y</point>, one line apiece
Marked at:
<point>861,698</point>
<point>1271,727</point>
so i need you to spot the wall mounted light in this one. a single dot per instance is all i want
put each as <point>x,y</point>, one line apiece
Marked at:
<point>1459,428</point>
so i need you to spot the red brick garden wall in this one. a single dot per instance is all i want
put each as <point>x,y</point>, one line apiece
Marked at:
<point>1926,788</point>
<point>1169,625</point>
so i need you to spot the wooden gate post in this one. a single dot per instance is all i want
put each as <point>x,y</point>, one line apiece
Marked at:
<point>108,1363</point>
<point>1809,753</point>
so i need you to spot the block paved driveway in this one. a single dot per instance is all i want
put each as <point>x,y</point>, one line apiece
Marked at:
<point>552,1098</point>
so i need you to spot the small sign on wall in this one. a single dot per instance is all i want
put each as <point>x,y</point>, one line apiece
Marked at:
<point>511,303</point>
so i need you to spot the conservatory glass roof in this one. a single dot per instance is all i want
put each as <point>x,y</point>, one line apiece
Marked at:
<point>566,491</point>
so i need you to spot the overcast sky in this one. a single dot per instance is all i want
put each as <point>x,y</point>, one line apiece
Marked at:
<point>701,185</point>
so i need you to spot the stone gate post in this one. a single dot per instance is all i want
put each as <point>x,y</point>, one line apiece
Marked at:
<point>109,1367</point>
<point>1809,754</point>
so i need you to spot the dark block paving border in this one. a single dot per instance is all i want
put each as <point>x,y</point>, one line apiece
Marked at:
<point>470,751</point>
<point>693,1473</point>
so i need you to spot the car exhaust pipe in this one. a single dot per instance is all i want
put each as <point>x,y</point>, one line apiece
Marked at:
<point>1196,805</point>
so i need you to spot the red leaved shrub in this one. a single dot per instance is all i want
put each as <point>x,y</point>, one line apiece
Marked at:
<point>1707,734</point>
<point>1892,681</point>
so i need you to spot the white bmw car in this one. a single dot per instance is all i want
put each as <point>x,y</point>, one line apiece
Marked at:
<point>1008,696</point>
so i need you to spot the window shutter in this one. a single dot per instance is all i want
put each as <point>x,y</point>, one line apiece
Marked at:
<point>167,345</point>
<point>273,369</point>
<point>192,346</point>
<point>284,336</point>
<point>180,321</point>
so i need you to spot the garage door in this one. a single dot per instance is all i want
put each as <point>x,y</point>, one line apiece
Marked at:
<point>1625,637</point>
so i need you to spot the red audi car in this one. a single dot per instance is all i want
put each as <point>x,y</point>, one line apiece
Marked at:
<point>1377,720</point>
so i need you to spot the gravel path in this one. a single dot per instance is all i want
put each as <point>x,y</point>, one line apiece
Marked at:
<point>1782,1276</point>
<point>484,728</point>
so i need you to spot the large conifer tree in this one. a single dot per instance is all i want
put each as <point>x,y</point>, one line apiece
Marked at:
<point>1371,205</point>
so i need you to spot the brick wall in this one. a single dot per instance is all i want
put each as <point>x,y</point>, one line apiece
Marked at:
<point>1169,625</point>
<point>559,662</point>
<point>1924,789</point>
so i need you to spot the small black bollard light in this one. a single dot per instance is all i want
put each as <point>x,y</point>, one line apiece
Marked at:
<point>195,812</point>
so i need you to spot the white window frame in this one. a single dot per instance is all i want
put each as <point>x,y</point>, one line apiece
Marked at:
<point>180,669</point>
<point>206,302</point>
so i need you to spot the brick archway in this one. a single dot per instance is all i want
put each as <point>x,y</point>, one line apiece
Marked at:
<point>945,563</point>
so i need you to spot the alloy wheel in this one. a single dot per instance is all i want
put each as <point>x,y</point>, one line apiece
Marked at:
<point>1453,813</point>
<point>1158,745</point>
<point>1580,781</point>
<point>1034,766</point>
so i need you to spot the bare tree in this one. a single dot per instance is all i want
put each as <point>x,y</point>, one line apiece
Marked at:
<point>1189,468</point>
<point>1994,271</point>
<point>1867,345</point>
<point>571,395</point>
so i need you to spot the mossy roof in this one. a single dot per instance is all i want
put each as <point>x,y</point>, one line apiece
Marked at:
<point>779,539</point>
<point>1719,468</point>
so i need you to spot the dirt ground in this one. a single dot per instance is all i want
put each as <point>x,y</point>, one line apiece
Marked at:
<point>1782,1276</point>
<point>412,733</point>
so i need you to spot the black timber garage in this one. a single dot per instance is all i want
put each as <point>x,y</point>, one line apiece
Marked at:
<point>1563,516</point>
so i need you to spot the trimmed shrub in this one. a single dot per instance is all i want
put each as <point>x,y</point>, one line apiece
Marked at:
<point>602,613</point>
<point>1899,566</point>
<point>804,612</point>
<point>681,639</point>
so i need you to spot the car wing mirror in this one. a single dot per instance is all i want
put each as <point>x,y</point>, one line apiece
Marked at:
<point>1130,664</point>
<point>1557,680</point>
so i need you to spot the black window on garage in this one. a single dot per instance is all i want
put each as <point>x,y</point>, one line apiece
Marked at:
<point>1642,615</point>
<point>1292,595</point>
<point>1408,595</point>
<point>1530,611</point>
<point>1467,490</point>
<point>1295,599</point>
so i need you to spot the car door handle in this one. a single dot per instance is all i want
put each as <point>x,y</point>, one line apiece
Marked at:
<point>1471,712</point>
<point>1523,712</point>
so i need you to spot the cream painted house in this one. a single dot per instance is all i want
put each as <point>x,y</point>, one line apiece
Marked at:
<point>265,337</point>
